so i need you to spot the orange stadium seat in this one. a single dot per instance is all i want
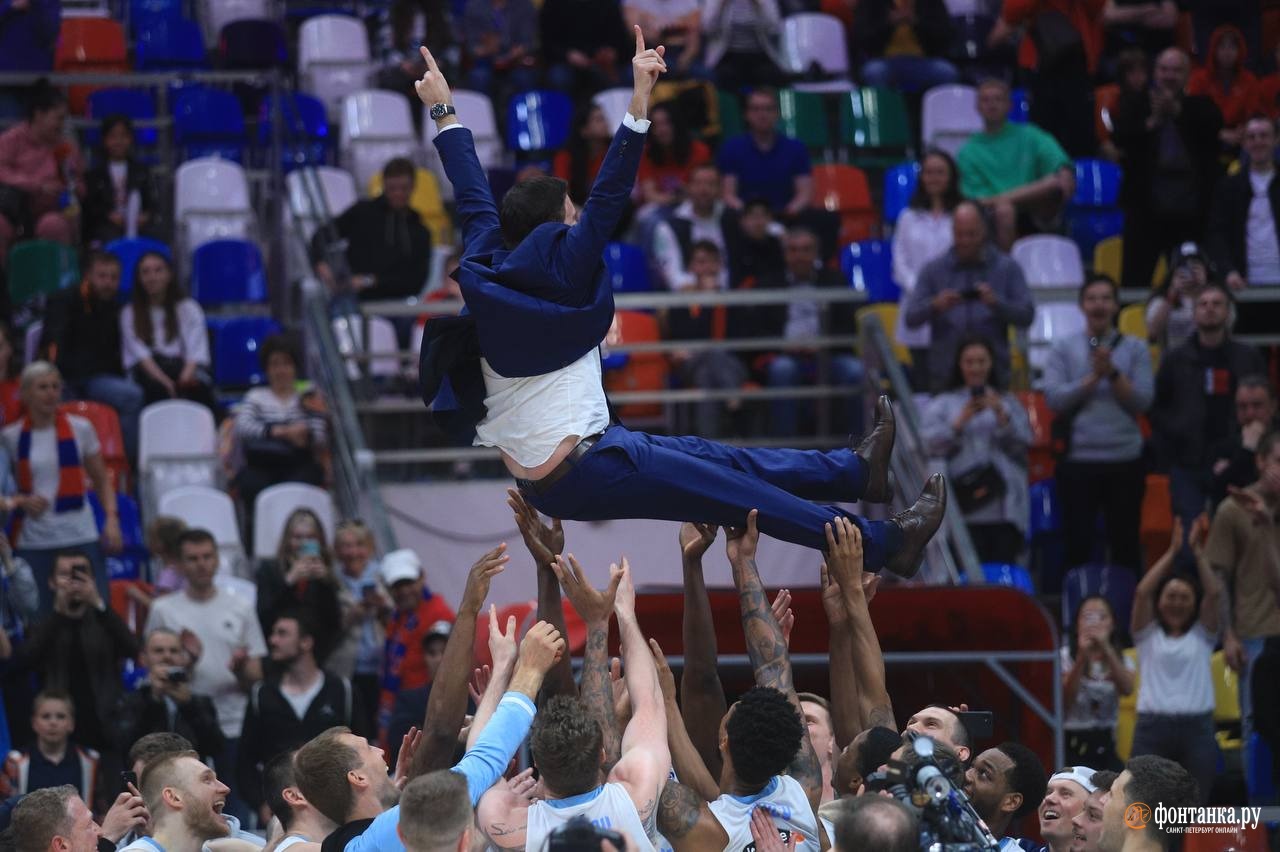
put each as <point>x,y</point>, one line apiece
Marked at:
<point>106,423</point>
<point>844,190</point>
<point>644,371</point>
<point>89,45</point>
<point>1157,517</point>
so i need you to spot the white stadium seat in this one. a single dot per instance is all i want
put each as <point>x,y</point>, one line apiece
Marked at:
<point>1053,322</point>
<point>205,508</point>
<point>275,504</point>
<point>1049,261</point>
<point>211,202</point>
<point>216,14</point>
<point>949,116</point>
<point>376,127</point>
<point>810,38</point>
<point>319,193</point>
<point>333,58</point>
<point>614,103</point>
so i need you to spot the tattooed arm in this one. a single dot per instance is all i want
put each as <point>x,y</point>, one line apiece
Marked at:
<point>503,816</point>
<point>596,608</point>
<point>702,698</point>
<point>545,542</point>
<point>844,548</point>
<point>767,647</point>
<point>447,703</point>
<point>687,823</point>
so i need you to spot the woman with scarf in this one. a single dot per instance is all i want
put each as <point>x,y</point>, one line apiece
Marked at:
<point>51,453</point>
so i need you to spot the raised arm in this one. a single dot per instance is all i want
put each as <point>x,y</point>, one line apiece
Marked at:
<point>646,759</point>
<point>473,198</point>
<point>767,647</point>
<point>502,650</point>
<point>545,542</point>
<point>1210,611</point>
<point>844,548</point>
<point>702,698</point>
<point>447,703</point>
<point>685,760</point>
<point>1144,594</point>
<point>596,609</point>
<point>846,712</point>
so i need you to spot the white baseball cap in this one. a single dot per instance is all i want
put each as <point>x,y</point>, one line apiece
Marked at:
<point>400,565</point>
<point>1082,775</point>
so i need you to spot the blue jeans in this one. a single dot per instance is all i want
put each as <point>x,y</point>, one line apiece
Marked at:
<point>41,561</point>
<point>122,394</point>
<point>635,475</point>
<point>789,371</point>
<point>910,73</point>
<point>1185,739</point>
<point>1252,650</point>
<point>1187,494</point>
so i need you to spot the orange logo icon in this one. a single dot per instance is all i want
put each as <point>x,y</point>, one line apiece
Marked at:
<point>1137,815</point>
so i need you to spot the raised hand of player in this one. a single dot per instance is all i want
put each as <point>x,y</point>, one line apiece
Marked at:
<point>647,65</point>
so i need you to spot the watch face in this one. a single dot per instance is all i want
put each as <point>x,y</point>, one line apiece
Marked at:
<point>439,111</point>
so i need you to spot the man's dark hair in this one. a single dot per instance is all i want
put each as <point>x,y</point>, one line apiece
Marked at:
<point>321,768</point>
<point>153,746</point>
<point>1099,278</point>
<point>756,203</point>
<point>41,816</point>
<point>1214,284</point>
<point>196,535</point>
<point>398,167</point>
<point>95,257</point>
<point>565,742</point>
<point>1104,778</point>
<point>876,749</point>
<point>1256,380</point>
<point>531,203</point>
<point>84,563</point>
<point>877,822</point>
<point>1027,776</point>
<point>306,626</point>
<point>706,247</point>
<point>43,96</point>
<point>1156,779</point>
<point>764,732</point>
<point>53,695</point>
<point>276,775</point>
<point>279,343</point>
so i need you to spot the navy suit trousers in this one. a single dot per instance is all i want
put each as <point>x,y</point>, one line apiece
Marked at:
<point>635,475</point>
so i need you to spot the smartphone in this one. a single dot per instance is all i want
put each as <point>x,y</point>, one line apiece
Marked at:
<point>309,547</point>
<point>970,295</point>
<point>981,724</point>
<point>126,778</point>
<point>176,674</point>
<point>978,392</point>
<point>370,592</point>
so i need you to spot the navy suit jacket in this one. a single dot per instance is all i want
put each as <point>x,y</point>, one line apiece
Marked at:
<point>530,310</point>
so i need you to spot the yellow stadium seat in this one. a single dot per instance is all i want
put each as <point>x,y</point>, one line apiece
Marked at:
<point>1161,271</point>
<point>888,314</point>
<point>1226,701</point>
<point>1133,322</point>
<point>1108,257</point>
<point>428,204</point>
<point>1127,719</point>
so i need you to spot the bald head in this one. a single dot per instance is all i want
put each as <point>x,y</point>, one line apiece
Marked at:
<point>1173,67</point>
<point>968,231</point>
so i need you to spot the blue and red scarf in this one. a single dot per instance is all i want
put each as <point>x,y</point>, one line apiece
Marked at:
<point>71,490</point>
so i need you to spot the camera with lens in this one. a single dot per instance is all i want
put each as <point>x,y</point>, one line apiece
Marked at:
<point>581,835</point>
<point>931,785</point>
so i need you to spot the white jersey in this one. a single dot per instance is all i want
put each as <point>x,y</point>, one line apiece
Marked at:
<point>784,799</point>
<point>608,806</point>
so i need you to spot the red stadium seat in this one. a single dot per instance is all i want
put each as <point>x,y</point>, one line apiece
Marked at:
<point>107,424</point>
<point>844,190</point>
<point>89,44</point>
<point>1157,517</point>
<point>1041,459</point>
<point>644,371</point>
<point>1228,839</point>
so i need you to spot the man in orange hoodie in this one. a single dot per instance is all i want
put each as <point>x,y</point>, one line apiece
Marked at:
<point>1225,79</point>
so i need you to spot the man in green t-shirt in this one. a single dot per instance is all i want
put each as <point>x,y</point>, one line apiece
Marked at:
<point>1016,171</point>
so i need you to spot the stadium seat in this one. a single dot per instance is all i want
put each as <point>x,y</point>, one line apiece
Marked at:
<point>1127,719</point>
<point>318,194</point>
<point>333,58</point>
<point>843,189</point>
<point>169,44</point>
<point>428,201</point>
<point>1049,261</point>
<point>275,504</point>
<point>142,12</point>
<point>1258,765</point>
<point>383,350</point>
<point>1113,582</point>
<point>216,15</point>
<point>1046,513</point>
<point>1226,691</point>
<point>1157,517</point>
<point>475,110</point>
<point>1133,322</point>
<point>376,127</point>
<point>31,341</point>
<point>1005,574</point>
<point>1105,100</point>
<point>899,186</point>
<point>873,122</point>
<point>252,44</point>
<point>628,268</point>
<point>207,508</point>
<point>86,46</point>
<point>227,272</point>
<point>106,423</point>
<point>1053,321</point>
<point>1097,184</point>
<point>538,121</point>
<point>868,267</point>
<point>1042,457</point>
<point>644,371</point>
<point>208,123</point>
<point>729,114</point>
<point>1019,106</point>
<point>811,42</point>
<point>235,348</point>
<point>1108,257</point>
<point>887,314</point>
<point>949,116</point>
<point>40,267</point>
<point>613,102</point>
<point>211,202</point>
<point>803,116</point>
<point>130,250</point>
<point>131,533</point>
<point>177,447</point>
<point>304,129</point>
<point>137,104</point>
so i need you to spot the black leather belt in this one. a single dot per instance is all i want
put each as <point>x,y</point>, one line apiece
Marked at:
<point>541,486</point>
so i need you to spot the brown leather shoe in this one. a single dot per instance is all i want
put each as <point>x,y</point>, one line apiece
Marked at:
<point>875,450</point>
<point>918,524</point>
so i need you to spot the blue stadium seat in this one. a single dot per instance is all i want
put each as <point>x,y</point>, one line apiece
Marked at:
<point>1113,582</point>
<point>1097,184</point>
<point>1004,574</point>
<point>208,123</point>
<point>1046,515</point>
<point>868,267</point>
<point>129,251</point>
<point>228,271</point>
<point>137,104</point>
<point>538,121</point>
<point>628,268</point>
<point>1020,109</point>
<point>1258,762</point>
<point>169,44</point>
<point>1089,227</point>
<point>899,186</point>
<point>146,12</point>
<point>130,520</point>
<point>252,44</point>
<point>304,130</point>
<point>235,348</point>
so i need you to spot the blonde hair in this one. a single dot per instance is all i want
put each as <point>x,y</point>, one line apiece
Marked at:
<point>35,371</point>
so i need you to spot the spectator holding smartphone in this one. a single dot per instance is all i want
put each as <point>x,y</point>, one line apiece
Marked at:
<point>1170,312</point>
<point>301,578</point>
<point>1094,676</point>
<point>364,608</point>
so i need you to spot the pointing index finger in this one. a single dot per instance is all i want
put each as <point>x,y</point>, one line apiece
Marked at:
<point>431,60</point>
<point>639,40</point>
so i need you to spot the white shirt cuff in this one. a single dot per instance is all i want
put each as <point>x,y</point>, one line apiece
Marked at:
<point>639,125</point>
<point>448,127</point>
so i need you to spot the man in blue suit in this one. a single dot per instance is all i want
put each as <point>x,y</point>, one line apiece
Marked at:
<point>522,368</point>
